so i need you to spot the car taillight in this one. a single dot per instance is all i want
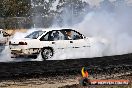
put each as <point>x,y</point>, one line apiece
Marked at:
<point>9,42</point>
<point>22,43</point>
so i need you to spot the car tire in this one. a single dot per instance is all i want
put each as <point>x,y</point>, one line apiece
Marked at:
<point>46,53</point>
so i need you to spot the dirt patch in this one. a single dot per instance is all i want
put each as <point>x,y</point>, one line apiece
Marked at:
<point>58,82</point>
<point>49,82</point>
<point>127,77</point>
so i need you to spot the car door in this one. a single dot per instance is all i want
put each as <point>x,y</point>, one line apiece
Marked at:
<point>79,42</point>
<point>54,39</point>
<point>58,41</point>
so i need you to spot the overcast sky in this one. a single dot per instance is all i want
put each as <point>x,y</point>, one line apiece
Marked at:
<point>96,2</point>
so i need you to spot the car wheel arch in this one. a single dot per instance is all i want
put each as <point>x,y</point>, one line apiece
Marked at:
<point>47,48</point>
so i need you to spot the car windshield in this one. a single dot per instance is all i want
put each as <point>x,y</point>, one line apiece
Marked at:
<point>35,34</point>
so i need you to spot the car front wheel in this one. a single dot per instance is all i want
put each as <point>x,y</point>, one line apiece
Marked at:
<point>46,53</point>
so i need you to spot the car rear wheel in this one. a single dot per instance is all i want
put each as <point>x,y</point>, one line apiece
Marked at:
<point>46,53</point>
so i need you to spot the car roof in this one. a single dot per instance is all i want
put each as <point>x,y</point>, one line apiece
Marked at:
<point>51,29</point>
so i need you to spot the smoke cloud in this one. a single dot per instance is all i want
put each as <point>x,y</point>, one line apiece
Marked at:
<point>109,25</point>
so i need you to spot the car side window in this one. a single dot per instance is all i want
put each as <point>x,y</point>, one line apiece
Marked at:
<point>45,37</point>
<point>71,35</point>
<point>75,35</point>
<point>57,35</point>
<point>53,36</point>
<point>61,36</point>
<point>67,34</point>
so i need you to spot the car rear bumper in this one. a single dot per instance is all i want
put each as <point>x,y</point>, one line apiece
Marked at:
<point>23,52</point>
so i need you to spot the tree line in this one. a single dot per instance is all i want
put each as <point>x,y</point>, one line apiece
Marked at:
<point>27,13</point>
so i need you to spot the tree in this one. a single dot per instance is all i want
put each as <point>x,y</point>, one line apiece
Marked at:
<point>71,12</point>
<point>14,8</point>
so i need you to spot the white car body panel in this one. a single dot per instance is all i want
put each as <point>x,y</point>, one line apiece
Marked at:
<point>3,39</point>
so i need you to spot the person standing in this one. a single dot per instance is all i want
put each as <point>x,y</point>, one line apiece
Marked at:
<point>85,80</point>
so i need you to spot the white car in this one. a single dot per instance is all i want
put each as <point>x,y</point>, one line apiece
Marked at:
<point>47,42</point>
<point>4,37</point>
